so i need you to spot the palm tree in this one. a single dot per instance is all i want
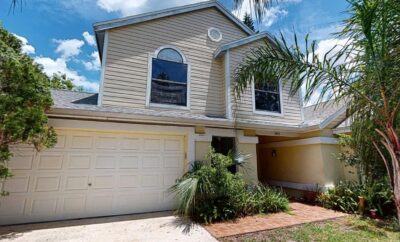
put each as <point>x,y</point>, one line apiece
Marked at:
<point>364,72</point>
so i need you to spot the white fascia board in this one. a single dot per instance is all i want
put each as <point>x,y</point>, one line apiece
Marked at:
<point>300,142</point>
<point>240,42</point>
<point>115,23</point>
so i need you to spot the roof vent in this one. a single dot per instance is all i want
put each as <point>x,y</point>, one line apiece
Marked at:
<point>215,34</point>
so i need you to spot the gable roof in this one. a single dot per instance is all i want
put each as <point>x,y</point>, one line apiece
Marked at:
<point>237,43</point>
<point>101,27</point>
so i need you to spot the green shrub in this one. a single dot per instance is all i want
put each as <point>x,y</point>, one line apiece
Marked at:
<point>345,196</point>
<point>209,192</point>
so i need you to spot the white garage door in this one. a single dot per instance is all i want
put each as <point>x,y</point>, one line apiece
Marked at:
<point>93,174</point>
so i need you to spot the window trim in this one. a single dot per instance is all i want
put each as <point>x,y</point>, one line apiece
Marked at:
<point>267,113</point>
<point>149,104</point>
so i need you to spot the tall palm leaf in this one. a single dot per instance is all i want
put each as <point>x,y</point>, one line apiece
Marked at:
<point>364,72</point>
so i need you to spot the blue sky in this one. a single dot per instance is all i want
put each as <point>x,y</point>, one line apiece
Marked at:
<point>58,34</point>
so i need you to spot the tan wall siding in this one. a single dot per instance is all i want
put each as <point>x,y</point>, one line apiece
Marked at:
<point>244,108</point>
<point>126,71</point>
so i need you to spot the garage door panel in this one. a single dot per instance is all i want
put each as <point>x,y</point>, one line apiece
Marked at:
<point>12,206</point>
<point>128,181</point>
<point>45,183</point>
<point>128,162</point>
<point>74,205</point>
<point>22,160</point>
<point>172,145</point>
<point>18,184</point>
<point>152,144</point>
<point>74,183</point>
<point>50,161</point>
<point>151,180</point>
<point>93,174</point>
<point>79,161</point>
<point>172,161</point>
<point>151,161</point>
<point>43,206</point>
<point>105,161</point>
<point>106,143</point>
<point>103,182</point>
<point>82,142</point>
<point>131,144</point>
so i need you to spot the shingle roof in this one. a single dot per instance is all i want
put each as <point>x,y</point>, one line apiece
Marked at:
<point>71,102</point>
<point>320,113</point>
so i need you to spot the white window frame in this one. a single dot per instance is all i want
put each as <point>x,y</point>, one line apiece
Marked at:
<point>269,113</point>
<point>149,104</point>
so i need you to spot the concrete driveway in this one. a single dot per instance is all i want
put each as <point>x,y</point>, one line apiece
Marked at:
<point>144,227</point>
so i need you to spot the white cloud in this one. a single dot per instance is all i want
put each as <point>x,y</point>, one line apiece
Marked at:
<point>69,48</point>
<point>123,6</point>
<point>333,46</point>
<point>132,7</point>
<point>271,15</point>
<point>89,38</point>
<point>59,65</point>
<point>26,48</point>
<point>94,63</point>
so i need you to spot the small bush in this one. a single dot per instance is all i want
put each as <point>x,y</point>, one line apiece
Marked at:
<point>209,192</point>
<point>345,196</point>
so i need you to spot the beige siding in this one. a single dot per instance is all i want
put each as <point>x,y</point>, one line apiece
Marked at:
<point>244,106</point>
<point>126,71</point>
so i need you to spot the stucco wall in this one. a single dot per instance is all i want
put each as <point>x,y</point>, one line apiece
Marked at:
<point>301,164</point>
<point>202,149</point>
<point>249,170</point>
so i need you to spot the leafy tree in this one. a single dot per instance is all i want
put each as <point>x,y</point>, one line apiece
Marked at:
<point>248,20</point>
<point>364,73</point>
<point>24,99</point>
<point>61,81</point>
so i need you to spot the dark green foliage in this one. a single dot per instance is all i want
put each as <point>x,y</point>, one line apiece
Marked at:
<point>209,192</point>
<point>61,81</point>
<point>345,196</point>
<point>248,21</point>
<point>24,99</point>
<point>362,72</point>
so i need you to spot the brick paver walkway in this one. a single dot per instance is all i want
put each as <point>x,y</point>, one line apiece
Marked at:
<point>299,214</point>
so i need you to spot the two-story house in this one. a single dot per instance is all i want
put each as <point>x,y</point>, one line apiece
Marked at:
<point>165,98</point>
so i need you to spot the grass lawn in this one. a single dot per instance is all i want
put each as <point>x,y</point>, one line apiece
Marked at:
<point>345,229</point>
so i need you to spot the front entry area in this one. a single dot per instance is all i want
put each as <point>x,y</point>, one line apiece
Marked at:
<point>93,173</point>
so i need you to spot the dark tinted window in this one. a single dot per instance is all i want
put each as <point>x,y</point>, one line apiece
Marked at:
<point>267,97</point>
<point>169,82</point>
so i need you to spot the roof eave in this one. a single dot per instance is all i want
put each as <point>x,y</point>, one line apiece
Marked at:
<point>237,43</point>
<point>100,27</point>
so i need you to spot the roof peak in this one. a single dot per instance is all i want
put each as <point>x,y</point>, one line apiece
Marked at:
<point>138,18</point>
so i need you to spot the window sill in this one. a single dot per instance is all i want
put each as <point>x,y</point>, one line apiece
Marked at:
<point>167,106</point>
<point>266,113</point>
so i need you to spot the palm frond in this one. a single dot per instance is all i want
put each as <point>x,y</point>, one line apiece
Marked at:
<point>185,192</point>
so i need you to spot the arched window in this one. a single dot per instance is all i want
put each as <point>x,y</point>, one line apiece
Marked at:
<point>169,77</point>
